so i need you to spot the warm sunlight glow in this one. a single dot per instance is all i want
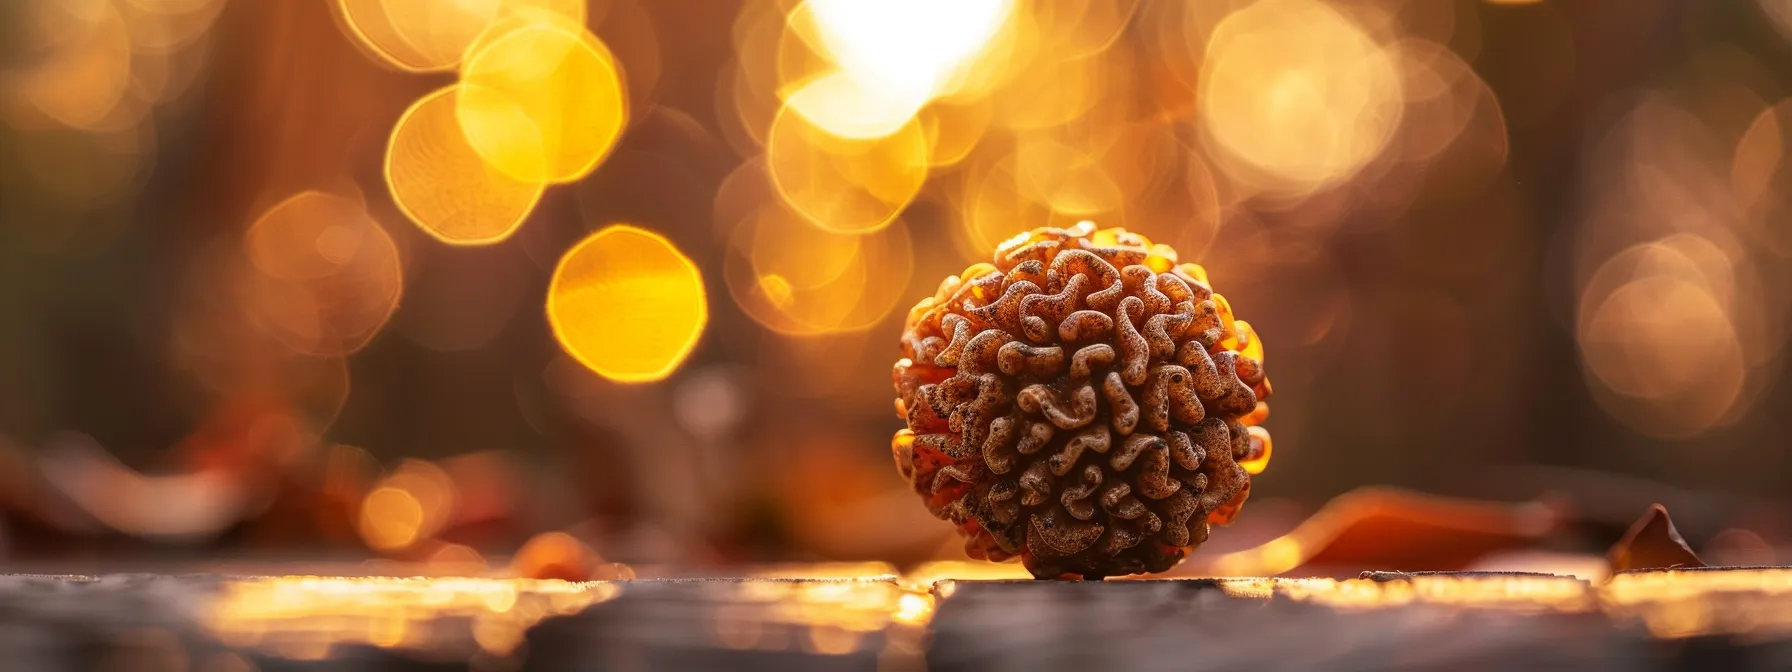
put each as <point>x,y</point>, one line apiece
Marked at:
<point>891,58</point>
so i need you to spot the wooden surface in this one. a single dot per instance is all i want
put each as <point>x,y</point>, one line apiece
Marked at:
<point>1692,619</point>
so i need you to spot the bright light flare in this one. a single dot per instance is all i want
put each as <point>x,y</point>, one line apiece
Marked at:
<point>853,107</point>
<point>892,57</point>
<point>627,304</point>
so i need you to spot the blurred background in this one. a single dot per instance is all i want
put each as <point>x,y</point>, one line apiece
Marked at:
<point>323,280</point>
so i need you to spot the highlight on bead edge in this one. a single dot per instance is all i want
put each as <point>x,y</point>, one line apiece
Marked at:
<point>627,304</point>
<point>1085,403</point>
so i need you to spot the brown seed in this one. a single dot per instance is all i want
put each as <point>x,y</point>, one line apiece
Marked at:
<point>1082,403</point>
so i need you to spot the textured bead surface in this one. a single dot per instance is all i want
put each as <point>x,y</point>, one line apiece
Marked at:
<point>1085,403</point>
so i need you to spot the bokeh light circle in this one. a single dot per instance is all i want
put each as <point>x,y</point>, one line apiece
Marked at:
<point>559,79</point>
<point>799,280</point>
<point>1296,96</point>
<point>1657,338</point>
<point>444,186</point>
<point>328,277</point>
<point>79,75</point>
<point>627,304</point>
<point>847,185</point>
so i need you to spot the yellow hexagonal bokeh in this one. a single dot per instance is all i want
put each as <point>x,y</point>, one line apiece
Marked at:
<point>627,304</point>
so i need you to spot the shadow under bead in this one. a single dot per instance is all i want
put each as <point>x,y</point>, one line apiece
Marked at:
<point>1084,403</point>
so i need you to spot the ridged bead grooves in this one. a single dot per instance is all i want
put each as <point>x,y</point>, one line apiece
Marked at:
<point>1084,403</point>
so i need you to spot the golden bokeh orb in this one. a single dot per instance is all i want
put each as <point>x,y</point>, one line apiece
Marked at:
<point>444,186</point>
<point>627,304</point>
<point>551,77</point>
<point>799,280</point>
<point>390,519</point>
<point>1296,96</point>
<point>846,185</point>
<point>326,277</point>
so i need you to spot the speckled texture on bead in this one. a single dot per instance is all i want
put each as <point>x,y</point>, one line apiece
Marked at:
<point>1085,403</point>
